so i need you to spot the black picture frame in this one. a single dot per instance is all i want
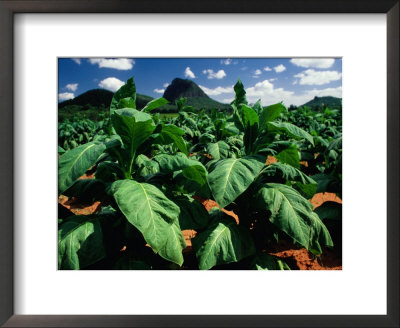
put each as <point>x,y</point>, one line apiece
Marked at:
<point>7,198</point>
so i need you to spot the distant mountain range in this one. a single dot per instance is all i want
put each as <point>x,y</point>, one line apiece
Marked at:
<point>178,88</point>
<point>100,99</point>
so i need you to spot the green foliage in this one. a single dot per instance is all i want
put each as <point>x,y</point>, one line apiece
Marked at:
<point>222,242</point>
<point>294,215</point>
<point>150,170</point>
<point>80,242</point>
<point>154,215</point>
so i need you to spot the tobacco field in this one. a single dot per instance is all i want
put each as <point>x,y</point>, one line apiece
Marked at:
<point>199,189</point>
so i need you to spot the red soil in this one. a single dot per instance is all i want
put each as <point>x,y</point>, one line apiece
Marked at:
<point>78,208</point>
<point>321,198</point>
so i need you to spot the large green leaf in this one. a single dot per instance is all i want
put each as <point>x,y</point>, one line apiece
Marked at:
<point>155,103</point>
<point>133,127</point>
<point>222,242</point>
<point>126,91</point>
<point>154,215</point>
<point>80,243</point>
<point>306,190</point>
<point>294,215</point>
<point>191,169</point>
<point>270,113</point>
<point>291,130</point>
<point>218,149</point>
<point>250,124</point>
<point>74,163</point>
<point>289,156</point>
<point>233,176</point>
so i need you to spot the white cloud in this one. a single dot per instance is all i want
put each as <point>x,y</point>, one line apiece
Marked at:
<point>65,96</point>
<point>313,62</point>
<point>122,64</point>
<point>227,61</point>
<point>272,80</point>
<point>268,94</point>
<point>189,73</point>
<point>111,83</point>
<point>165,85</point>
<point>217,91</point>
<point>72,86</point>
<point>280,68</point>
<point>300,99</point>
<point>312,77</point>
<point>244,68</point>
<point>76,60</point>
<point>226,100</point>
<point>214,75</point>
<point>334,92</point>
<point>267,69</point>
<point>159,90</point>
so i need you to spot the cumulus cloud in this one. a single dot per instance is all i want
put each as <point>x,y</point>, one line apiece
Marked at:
<point>267,69</point>
<point>72,86</point>
<point>189,74</point>
<point>313,62</point>
<point>312,77</point>
<point>214,75</point>
<point>217,91</point>
<point>111,83</point>
<point>266,91</point>
<point>159,90</point>
<point>122,64</point>
<point>280,68</point>
<point>76,60</point>
<point>65,96</point>
<point>268,94</point>
<point>165,85</point>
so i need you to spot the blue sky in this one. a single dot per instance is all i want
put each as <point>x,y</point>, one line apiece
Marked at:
<point>291,80</point>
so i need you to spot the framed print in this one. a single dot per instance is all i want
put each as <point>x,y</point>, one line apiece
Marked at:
<point>287,54</point>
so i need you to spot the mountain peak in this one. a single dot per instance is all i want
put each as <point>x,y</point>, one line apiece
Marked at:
<point>183,88</point>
